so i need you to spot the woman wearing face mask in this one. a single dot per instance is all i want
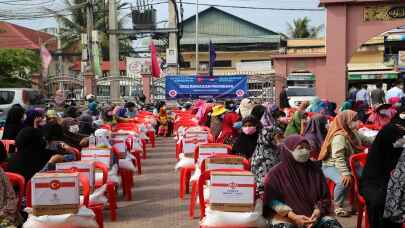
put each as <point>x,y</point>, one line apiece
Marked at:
<point>35,118</point>
<point>266,154</point>
<point>229,133</point>
<point>217,115</point>
<point>71,133</point>
<point>340,143</point>
<point>295,125</point>
<point>296,190</point>
<point>381,161</point>
<point>315,133</point>
<point>246,143</point>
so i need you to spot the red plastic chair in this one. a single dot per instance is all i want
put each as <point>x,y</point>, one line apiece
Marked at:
<point>18,181</point>
<point>126,179</point>
<point>201,182</point>
<point>361,203</point>
<point>137,154</point>
<point>194,184</point>
<point>7,144</point>
<point>152,138</point>
<point>77,154</point>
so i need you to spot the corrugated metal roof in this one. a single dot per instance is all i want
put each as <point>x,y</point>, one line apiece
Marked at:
<point>222,27</point>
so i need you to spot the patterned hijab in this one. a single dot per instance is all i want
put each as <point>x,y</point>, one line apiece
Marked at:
<point>8,201</point>
<point>268,119</point>
<point>245,108</point>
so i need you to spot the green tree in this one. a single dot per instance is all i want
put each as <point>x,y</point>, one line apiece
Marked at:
<point>16,67</point>
<point>300,28</point>
<point>73,25</point>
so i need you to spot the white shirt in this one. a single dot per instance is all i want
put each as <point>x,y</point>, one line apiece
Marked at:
<point>394,92</point>
<point>362,95</point>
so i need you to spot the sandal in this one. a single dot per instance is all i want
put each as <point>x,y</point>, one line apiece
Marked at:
<point>341,212</point>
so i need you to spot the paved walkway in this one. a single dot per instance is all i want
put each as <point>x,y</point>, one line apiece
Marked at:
<point>156,202</point>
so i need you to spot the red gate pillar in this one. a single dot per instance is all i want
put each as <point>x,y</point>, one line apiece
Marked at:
<point>280,67</point>
<point>146,85</point>
<point>89,83</point>
<point>332,84</point>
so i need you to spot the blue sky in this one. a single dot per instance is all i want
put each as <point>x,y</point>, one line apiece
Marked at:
<point>273,20</point>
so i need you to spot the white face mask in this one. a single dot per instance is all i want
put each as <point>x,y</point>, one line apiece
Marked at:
<point>42,122</point>
<point>402,116</point>
<point>301,155</point>
<point>74,129</point>
<point>353,125</point>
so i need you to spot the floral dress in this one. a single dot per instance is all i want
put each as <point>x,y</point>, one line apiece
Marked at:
<point>395,200</point>
<point>266,156</point>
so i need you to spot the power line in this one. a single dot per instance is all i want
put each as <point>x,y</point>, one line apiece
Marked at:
<point>256,8</point>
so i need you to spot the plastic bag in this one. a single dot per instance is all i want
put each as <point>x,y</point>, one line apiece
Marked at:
<point>218,218</point>
<point>196,175</point>
<point>98,196</point>
<point>126,164</point>
<point>184,162</point>
<point>368,132</point>
<point>85,218</point>
<point>113,175</point>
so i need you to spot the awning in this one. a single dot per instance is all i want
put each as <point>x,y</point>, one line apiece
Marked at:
<point>373,75</point>
<point>301,77</point>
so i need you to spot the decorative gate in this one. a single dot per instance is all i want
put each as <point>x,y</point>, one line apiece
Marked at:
<point>130,88</point>
<point>71,84</point>
<point>262,88</point>
<point>158,89</point>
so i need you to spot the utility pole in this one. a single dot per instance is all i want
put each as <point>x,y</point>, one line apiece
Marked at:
<point>172,69</point>
<point>197,62</point>
<point>114,52</point>
<point>89,25</point>
<point>60,60</point>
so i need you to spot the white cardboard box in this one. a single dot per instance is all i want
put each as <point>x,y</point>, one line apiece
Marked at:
<point>102,155</point>
<point>121,147</point>
<point>232,191</point>
<point>224,163</point>
<point>55,193</point>
<point>83,167</point>
<point>191,140</point>
<point>206,151</point>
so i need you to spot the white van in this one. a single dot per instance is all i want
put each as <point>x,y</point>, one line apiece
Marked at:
<point>26,97</point>
<point>299,94</point>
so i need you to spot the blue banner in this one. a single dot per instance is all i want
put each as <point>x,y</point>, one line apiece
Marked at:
<point>206,87</point>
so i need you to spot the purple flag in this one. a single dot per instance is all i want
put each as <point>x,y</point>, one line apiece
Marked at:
<point>213,57</point>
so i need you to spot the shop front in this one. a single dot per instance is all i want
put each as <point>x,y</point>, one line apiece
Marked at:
<point>303,79</point>
<point>372,78</point>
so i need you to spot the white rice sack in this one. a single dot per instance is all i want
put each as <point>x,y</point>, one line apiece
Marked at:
<point>196,175</point>
<point>216,218</point>
<point>126,164</point>
<point>184,162</point>
<point>85,218</point>
<point>113,175</point>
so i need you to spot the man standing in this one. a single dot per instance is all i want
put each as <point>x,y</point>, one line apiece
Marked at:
<point>378,95</point>
<point>396,91</point>
<point>362,95</point>
<point>284,98</point>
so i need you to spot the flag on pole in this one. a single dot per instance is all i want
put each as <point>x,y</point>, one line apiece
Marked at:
<point>46,59</point>
<point>155,67</point>
<point>213,57</point>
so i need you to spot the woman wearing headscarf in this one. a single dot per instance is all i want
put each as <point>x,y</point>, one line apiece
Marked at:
<point>381,161</point>
<point>303,106</point>
<point>14,123</point>
<point>315,133</point>
<point>266,154</point>
<point>294,126</point>
<point>9,215</point>
<point>229,133</point>
<point>347,105</point>
<point>245,108</point>
<point>35,118</point>
<point>71,133</point>
<point>257,113</point>
<point>315,105</point>
<point>340,143</point>
<point>296,190</point>
<point>163,122</point>
<point>86,125</point>
<point>216,122</point>
<point>331,109</point>
<point>382,115</point>
<point>246,142</point>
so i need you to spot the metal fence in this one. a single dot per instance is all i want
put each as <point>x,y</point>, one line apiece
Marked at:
<point>71,84</point>
<point>129,88</point>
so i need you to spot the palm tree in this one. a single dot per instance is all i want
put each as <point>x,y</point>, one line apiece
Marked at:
<point>301,29</point>
<point>74,25</point>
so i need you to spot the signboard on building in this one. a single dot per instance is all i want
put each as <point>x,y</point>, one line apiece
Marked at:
<point>256,66</point>
<point>384,12</point>
<point>171,57</point>
<point>206,87</point>
<point>370,75</point>
<point>137,66</point>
